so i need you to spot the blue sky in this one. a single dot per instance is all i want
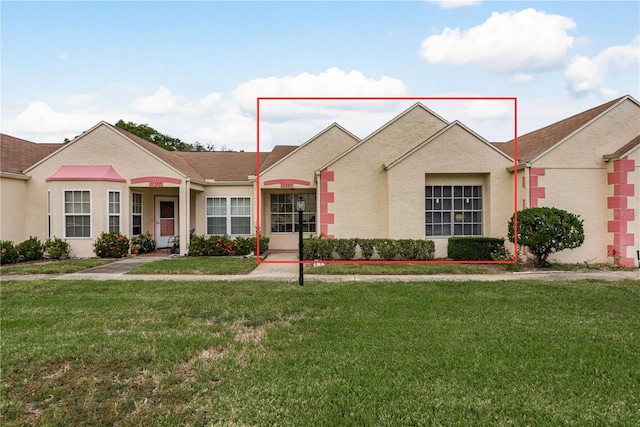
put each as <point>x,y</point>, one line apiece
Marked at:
<point>194,69</point>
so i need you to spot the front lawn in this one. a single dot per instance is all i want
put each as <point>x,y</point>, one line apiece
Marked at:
<point>172,353</point>
<point>66,266</point>
<point>402,269</point>
<point>198,265</point>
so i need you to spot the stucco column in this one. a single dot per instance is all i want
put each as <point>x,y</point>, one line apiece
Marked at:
<point>184,212</point>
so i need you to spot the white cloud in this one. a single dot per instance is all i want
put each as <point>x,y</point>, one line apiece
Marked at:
<point>586,74</point>
<point>451,4</point>
<point>41,123</point>
<point>163,101</point>
<point>331,83</point>
<point>508,42</point>
<point>521,78</point>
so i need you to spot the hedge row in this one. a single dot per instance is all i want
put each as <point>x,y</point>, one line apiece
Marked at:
<point>474,248</point>
<point>385,249</point>
<point>33,249</point>
<point>223,245</point>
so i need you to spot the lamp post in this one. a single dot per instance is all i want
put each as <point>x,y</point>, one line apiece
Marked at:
<point>300,207</point>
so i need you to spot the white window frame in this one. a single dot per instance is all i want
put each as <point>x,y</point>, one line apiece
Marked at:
<point>110,214</point>
<point>228,215</point>
<point>136,214</point>
<point>65,214</point>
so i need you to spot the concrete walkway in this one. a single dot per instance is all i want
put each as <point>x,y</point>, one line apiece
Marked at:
<point>284,267</point>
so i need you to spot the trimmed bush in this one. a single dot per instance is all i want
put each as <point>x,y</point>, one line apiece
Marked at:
<point>111,245</point>
<point>30,250</point>
<point>473,248</point>
<point>366,247</point>
<point>387,248</point>
<point>547,230</point>
<point>416,249</point>
<point>317,248</point>
<point>8,253</point>
<point>346,248</point>
<point>56,248</point>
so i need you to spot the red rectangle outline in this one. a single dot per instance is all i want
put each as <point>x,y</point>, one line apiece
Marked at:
<point>409,98</point>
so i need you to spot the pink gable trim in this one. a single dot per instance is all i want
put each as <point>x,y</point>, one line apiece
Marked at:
<point>287,183</point>
<point>156,180</point>
<point>86,173</point>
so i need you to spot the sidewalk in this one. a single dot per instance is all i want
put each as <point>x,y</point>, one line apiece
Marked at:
<point>284,267</point>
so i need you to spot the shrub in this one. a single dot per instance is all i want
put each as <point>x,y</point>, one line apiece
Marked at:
<point>210,246</point>
<point>346,248</point>
<point>111,245</point>
<point>30,250</point>
<point>416,249</point>
<point>473,248</point>
<point>547,230</point>
<point>246,245</point>
<point>366,247</point>
<point>387,248</point>
<point>8,253</point>
<point>56,248</point>
<point>317,248</point>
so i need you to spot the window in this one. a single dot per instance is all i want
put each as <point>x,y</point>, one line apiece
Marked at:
<point>113,211</point>
<point>77,213</point>
<point>453,210</point>
<point>136,214</point>
<point>284,217</point>
<point>228,215</point>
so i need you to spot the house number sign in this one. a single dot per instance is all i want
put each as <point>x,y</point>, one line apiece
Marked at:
<point>156,184</point>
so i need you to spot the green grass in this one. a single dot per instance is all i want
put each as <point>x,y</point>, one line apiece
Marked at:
<point>399,269</point>
<point>198,265</point>
<point>352,353</point>
<point>54,267</point>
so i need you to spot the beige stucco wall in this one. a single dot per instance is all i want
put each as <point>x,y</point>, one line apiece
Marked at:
<point>100,146</point>
<point>302,164</point>
<point>12,209</point>
<point>576,179</point>
<point>360,185</point>
<point>634,203</point>
<point>456,157</point>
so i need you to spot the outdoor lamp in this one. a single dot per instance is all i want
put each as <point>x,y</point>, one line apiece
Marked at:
<point>300,204</point>
<point>300,207</point>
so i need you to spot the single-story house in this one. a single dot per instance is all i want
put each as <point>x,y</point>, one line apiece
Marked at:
<point>417,176</point>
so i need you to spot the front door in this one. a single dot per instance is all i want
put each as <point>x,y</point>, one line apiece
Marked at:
<point>166,220</point>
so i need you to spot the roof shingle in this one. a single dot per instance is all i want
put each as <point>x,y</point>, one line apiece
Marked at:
<point>17,154</point>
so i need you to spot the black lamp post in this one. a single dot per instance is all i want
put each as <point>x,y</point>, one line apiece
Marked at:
<point>300,207</point>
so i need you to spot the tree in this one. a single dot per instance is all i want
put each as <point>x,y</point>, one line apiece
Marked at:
<point>165,141</point>
<point>547,230</point>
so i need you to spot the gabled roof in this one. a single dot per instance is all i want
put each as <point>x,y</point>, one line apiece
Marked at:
<point>453,124</point>
<point>16,154</point>
<point>295,149</point>
<point>380,129</point>
<point>534,144</point>
<point>624,150</point>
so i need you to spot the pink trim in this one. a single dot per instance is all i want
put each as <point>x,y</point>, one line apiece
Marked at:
<point>536,191</point>
<point>86,173</point>
<point>287,183</point>
<point>156,181</point>
<point>326,198</point>
<point>616,202</point>
<point>623,238</point>
<point>537,171</point>
<point>623,190</point>
<point>616,177</point>
<point>624,165</point>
